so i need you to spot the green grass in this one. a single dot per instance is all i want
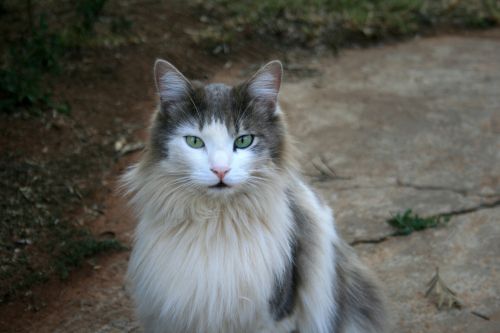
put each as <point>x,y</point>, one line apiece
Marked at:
<point>26,65</point>
<point>39,48</point>
<point>408,222</point>
<point>334,23</point>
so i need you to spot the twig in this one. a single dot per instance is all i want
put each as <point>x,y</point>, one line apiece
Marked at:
<point>445,294</point>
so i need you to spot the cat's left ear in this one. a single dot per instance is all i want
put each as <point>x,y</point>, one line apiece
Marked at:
<point>265,84</point>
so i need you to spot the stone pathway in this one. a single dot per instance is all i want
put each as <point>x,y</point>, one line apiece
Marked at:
<point>413,126</point>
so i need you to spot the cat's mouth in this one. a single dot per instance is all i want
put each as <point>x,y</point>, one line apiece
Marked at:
<point>220,185</point>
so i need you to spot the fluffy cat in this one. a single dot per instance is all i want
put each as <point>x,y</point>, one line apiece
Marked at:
<point>230,238</point>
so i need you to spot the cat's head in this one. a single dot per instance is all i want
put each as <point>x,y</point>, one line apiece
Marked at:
<point>216,138</point>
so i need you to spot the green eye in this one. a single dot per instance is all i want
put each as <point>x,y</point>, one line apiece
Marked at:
<point>243,141</point>
<point>194,142</point>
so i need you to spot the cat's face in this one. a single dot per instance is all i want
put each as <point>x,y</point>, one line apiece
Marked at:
<point>215,138</point>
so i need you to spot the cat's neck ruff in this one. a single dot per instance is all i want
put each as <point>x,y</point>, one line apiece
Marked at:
<point>166,206</point>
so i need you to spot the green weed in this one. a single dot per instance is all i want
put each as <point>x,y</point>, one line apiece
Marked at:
<point>408,222</point>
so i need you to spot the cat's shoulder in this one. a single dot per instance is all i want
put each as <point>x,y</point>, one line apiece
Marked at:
<point>305,194</point>
<point>308,207</point>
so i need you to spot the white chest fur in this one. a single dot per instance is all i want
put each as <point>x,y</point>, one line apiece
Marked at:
<point>213,268</point>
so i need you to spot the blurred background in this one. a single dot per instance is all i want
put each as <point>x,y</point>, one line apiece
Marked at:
<point>395,105</point>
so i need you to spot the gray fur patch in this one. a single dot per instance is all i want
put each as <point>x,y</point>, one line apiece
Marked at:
<point>285,293</point>
<point>358,299</point>
<point>283,301</point>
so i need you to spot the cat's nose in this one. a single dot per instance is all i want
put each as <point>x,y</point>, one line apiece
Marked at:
<point>220,171</point>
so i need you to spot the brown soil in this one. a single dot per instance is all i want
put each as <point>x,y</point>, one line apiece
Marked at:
<point>111,94</point>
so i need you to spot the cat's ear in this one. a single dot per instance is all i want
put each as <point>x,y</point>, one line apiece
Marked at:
<point>265,84</point>
<point>171,85</point>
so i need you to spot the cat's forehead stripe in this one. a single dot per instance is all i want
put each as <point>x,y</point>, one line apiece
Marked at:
<point>218,103</point>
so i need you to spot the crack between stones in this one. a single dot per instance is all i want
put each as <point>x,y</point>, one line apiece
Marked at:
<point>457,212</point>
<point>480,315</point>
<point>462,192</point>
<point>372,240</point>
<point>484,205</point>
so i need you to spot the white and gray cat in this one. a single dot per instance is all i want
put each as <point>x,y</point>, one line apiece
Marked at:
<point>230,238</point>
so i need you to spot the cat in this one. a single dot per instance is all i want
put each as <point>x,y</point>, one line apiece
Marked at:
<point>230,238</point>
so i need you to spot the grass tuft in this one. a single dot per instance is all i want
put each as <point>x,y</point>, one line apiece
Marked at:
<point>408,222</point>
<point>72,252</point>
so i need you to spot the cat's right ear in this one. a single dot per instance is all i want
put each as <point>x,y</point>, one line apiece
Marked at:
<point>171,85</point>
<point>265,84</point>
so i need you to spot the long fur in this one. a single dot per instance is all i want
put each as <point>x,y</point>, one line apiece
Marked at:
<point>266,259</point>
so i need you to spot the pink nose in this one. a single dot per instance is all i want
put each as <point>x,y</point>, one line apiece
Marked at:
<point>220,171</point>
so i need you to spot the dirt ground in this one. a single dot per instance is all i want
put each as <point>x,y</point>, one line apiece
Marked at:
<point>413,125</point>
<point>78,158</point>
